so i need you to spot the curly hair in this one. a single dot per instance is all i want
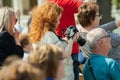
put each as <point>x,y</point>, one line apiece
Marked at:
<point>44,18</point>
<point>87,12</point>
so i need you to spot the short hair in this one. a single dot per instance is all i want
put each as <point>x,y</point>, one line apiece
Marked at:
<point>6,23</point>
<point>44,18</point>
<point>87,12</point>
<point>93,36</point>
<point>47,57</point>
<point>24,40</point>
<point>20,70</point>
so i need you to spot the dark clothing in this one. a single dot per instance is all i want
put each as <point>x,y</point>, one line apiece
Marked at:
<point>8,47</point>
<point>75,66</point>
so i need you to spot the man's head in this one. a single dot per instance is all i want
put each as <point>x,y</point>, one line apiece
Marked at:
<point>99,41</point>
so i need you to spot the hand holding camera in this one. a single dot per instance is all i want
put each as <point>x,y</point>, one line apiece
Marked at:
<point>72,32</point>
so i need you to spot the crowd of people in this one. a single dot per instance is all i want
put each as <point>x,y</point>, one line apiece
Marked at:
<point>46,53</point>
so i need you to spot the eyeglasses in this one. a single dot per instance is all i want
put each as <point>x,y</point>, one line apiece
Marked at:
<point>100,16</point>
<point>104,36</point>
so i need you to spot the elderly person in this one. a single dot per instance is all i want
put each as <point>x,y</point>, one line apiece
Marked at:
<point>9,42</point>
<point>89,18</point>
<point>99,66</point>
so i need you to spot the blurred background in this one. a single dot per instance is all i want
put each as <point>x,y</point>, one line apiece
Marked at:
<point>110,9</point>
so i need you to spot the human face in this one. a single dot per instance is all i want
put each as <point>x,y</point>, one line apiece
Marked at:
<point>12,21</point>
<point>96,22</point>
<point>58,20</point>
<point>106,43</point>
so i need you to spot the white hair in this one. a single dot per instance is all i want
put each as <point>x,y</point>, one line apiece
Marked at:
<point>93,36</point>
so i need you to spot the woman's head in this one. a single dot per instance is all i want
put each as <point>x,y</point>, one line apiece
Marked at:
<point>48,58</point>
<point>7,20</point>
<point>20,70</point>
<point>87,13</point>
<point>44,18</point>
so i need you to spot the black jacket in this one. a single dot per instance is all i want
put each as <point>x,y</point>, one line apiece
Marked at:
<point>8,47</point>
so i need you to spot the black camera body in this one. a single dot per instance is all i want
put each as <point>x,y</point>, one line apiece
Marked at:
<point>71,31</point>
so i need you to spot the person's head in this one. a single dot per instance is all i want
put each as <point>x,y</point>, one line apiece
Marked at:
<point>99,41</point>
<point>48,58</point>
<point>20,70</point>
<point>7,20</point>
<point>88,14</point>
<point>24,41</point>
<point>44,18</point>
<point>10,59</point>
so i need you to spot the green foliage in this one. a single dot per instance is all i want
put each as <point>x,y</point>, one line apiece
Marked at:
<point>116,3</point>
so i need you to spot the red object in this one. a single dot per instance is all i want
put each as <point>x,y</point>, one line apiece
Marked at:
<point>70,8</point>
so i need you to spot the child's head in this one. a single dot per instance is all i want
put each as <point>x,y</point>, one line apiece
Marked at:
<point>24,40</point>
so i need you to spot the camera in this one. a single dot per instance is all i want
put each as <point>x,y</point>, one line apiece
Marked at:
<point>71,31</point>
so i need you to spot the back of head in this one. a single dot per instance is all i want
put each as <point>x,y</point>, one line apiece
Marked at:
<point>44,18</point>
<point>87,13</point>
<point>20,70</point>
<point>47,57</point>
<point>6,23</point>
<point>93,36</point>
<point>24,39</point>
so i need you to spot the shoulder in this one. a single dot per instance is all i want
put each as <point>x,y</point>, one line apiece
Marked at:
<point>111,62</point>
<point>50,34</point>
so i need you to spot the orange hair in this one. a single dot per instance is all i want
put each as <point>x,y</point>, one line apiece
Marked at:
<point>44,18</point>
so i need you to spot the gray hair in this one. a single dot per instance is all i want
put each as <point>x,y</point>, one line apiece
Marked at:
<point>93,36</point>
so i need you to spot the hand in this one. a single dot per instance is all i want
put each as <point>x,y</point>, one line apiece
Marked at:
<point>117,22</point>
<point>16,37</point>
<point>76,36</point>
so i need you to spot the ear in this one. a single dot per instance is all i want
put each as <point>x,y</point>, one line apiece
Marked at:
<point>92,20</point>
<point>101,42</point>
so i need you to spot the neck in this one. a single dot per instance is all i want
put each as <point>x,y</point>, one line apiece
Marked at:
<point>87,28</point>
<point>100,51</point>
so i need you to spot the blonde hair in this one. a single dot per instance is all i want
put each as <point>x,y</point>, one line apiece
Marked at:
<point>44,18</point>
<point>47,58</point>
<point>20,70</point>
<point>6,15</point>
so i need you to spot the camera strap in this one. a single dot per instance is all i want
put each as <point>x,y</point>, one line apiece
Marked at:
<point>59,37</point>
<point>91,69</point>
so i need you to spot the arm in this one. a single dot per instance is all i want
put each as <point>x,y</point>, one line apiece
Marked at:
<point>115,70</point>
<point>53,39</point>
<point>111,25</point>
